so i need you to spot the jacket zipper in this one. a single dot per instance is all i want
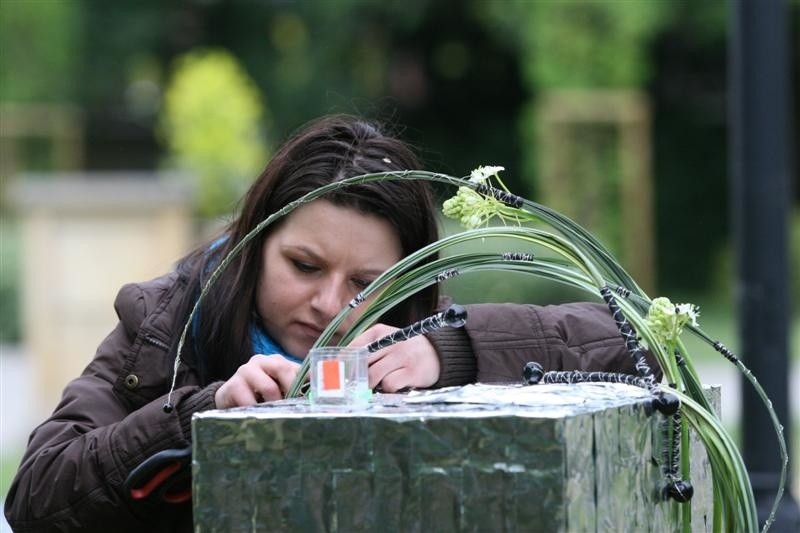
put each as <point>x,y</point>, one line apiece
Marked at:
<point>155,342</point>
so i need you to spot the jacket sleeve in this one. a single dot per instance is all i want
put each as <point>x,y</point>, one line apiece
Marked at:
<point>71,476</point>
<point>499,339</point>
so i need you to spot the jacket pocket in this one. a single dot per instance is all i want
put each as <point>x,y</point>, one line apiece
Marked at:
<point>146,372</point>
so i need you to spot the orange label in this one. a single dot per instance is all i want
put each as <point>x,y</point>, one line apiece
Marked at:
<point>331,375</point>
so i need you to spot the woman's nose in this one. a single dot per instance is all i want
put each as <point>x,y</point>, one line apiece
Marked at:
<point>328,299</point>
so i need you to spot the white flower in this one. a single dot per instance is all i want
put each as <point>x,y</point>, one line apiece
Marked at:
<point>480,174</point>
<point>689,311</point>
<point>470,208</point>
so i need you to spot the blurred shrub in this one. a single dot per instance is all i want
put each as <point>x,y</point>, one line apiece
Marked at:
<point>211,125</point>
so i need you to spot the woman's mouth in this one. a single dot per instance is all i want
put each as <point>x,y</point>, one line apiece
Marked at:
<point>309,330</point>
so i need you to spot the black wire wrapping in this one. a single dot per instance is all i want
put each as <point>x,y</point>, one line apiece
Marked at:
<point>576,376</point>
<point>454,316</point>
<point>671,455</point>
<point>500,195</point>
<point>631,340</point>
<point>622,291</point>
<point>729,355</point>
<point>447,274</point>
<point>676,488</point>
<point>675,448</point>
<point>516,256</point>
<point>666,404</point>
<point>679,360</point>
<point>357,300</point>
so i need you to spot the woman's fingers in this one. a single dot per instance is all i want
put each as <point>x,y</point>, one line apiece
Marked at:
<point>374,333</point>
<point>262,378</point>
<point>281,370</point>
<point>381,366</point>
<point>410,363</point>
<point>397,380</point>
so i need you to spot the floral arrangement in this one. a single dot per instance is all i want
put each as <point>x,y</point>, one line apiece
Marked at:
<point>580,261</point>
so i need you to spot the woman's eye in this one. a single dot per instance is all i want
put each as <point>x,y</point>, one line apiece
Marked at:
<point>304,267</point>
<point>361,283</point>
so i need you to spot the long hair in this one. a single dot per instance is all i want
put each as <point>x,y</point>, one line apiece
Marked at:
<point>325,151</point>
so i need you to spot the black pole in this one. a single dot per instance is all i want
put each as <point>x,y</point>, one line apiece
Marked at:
<point>759,82</point>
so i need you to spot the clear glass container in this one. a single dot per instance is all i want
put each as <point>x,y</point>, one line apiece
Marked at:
<point>339,376</point>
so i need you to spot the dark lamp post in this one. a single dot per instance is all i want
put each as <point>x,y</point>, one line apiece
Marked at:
<point>761,161</point>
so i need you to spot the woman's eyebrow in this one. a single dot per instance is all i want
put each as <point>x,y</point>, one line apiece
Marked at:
<point>303,249</point>
<point>368,272</point>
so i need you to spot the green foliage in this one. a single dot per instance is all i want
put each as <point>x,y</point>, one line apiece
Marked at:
<point>579,44</point>
<point>211,125</point>
<point>314,58</point>
<point>40,50</point>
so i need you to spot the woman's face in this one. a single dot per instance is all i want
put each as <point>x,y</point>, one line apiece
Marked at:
<point>317,260</point>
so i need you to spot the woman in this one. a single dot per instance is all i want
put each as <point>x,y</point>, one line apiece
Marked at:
<point>258,322</point>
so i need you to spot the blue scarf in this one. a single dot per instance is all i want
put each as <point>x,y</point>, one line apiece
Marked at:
<point>263,343</point>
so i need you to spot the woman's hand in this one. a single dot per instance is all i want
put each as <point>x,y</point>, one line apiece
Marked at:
<point>411,363</point>
<point>262,378</point>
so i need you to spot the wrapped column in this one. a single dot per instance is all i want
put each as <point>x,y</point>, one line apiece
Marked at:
<point>511,458</point>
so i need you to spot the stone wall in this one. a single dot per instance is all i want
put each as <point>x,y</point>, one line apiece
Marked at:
<point>84,235</point>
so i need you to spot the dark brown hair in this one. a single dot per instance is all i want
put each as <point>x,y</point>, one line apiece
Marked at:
<point>327,150</point>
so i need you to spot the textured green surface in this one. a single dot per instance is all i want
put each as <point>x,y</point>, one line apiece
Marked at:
<point>435,467</point>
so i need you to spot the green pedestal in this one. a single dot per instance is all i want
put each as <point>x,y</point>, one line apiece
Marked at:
<point>479,458</point>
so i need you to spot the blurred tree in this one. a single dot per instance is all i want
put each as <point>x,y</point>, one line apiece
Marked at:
<point>689,91</point>
<point>575,44</point>
<point>212,126</point>
<point>433,67</point>
<point>579,44</point>
<point>585,64</point>
<point>456,74</point>
<point>40,50</point>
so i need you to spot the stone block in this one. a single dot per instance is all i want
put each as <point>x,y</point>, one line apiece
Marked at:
<point>477,458</point>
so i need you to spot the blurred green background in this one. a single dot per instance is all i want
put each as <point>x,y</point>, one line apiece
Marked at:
<point>459,79</point>
<point>213,86</point>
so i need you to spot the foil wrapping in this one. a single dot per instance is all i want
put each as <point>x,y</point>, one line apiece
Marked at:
<point>579,457</point>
